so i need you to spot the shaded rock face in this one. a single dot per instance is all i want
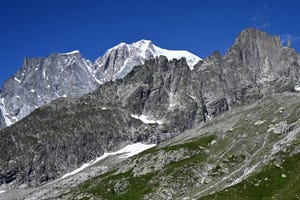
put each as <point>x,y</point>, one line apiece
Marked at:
<point>63,135</point>
<point>159,89</point>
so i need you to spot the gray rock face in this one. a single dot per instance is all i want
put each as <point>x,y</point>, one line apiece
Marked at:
<point>154,102</point>
<point>42,80</point>
<point>256,65</point>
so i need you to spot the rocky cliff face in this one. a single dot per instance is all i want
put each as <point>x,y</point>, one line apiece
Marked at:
<point>154,102</point>
<point>256,65</point>
<point>42,80</point>
<point>261,58</point>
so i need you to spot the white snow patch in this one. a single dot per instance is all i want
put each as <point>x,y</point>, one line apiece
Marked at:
<point>103,108</point>
<point>65,96</point>
<point>194,98</point>
<point>14,118</point>
<point>203,179</point>
<point>145,119</point>
<point>126,152</point>
<point>297,88</point>
<point>2,191</point>
<point>32,90</point>
<point>89,67</point>
<point>209,117</point>
<point>126,65</point>
<point>213,142</point>
<point>48,86</point>
<point>44,73</point>
<point>72,52</point>
<point>133,149</point>
<point>56,94</point>
<point>18,80</point>
<point>191,59</point>
<point>259,122</point>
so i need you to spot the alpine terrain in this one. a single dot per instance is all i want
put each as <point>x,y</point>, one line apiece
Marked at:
<point>142,122</point>
<point>41,80</point>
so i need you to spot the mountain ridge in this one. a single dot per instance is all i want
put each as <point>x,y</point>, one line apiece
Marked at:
<point>41,80</point>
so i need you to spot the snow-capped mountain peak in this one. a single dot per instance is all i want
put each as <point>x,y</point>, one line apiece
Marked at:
<point>142,46</point>
<point>177,54</point>
<point>123,57</point>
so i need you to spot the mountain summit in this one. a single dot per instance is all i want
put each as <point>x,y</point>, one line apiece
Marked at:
<point>41,80</point>
<point>119,60</point>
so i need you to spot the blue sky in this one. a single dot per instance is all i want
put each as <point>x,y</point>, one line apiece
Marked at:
<point>36,28</point>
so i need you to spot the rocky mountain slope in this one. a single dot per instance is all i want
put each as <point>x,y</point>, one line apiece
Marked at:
<point>156,102</point>
<point>250,152</point>
<point>42,80</point>
<point>258,141</point>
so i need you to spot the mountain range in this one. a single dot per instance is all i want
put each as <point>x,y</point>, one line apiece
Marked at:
<point>225,127</point>
<point>41,80</point>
